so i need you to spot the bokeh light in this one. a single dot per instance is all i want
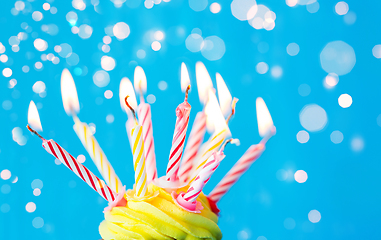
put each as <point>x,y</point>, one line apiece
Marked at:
<point>341,8</point>
<point>313,117</point>
<point>314,216</point>
<point>302,136</point>
<point>213,48</point>
<point>121,30</point>
<point>300,176</point>
<point>293,49</point>
<point>345,100</point>
<point>337,137</point>
<point>337,57</point>
<point>215,7</point>
<point>5,174</point>
<point>357,144</point>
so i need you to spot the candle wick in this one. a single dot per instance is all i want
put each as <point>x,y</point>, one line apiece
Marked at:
<point>186,93</point>
<point>73,113</point>
<point>33,131</point>
<point>131,108</point>
<point>234,102</point>
<point>232,141</point>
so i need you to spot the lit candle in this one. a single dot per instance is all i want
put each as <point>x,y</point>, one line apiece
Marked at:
<point>71,105</point>
<point>266,130</point>
<point>197,133</point>
<point>221,131</point>
<point>227,103</point>
<point>182,113</point>
<point>126,89</point>
<point>69,161</point>
<point>144,114</point>
<point>139,160</point>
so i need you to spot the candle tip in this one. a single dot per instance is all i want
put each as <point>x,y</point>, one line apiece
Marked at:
<point>33,131</point>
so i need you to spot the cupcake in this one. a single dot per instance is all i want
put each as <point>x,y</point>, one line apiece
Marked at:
<point>158,217</point>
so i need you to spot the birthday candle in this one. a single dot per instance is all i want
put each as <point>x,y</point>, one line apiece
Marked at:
<point>203,177</point>
<point>204,82</point>
<point>266,130</point>
<point>70,101</point>
<point>139,161</point>
<point>244,163</point>
<point>144,114</point>
<point>194,142</point>
<point>138,156</point>
<point>97,155</point>
<point>81,171</point>
<point>221,132</point>
<point>182,113</point>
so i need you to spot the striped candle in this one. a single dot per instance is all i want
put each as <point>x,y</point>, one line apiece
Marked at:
<point>203,177</point>
<point>81,171</point>
<point>144,114</point>
<point>214,143</point>
<point>194,142</point>
<point>242,165</point>
<point>97,155</point>
<point>182,113</point>
<point>139,161</point>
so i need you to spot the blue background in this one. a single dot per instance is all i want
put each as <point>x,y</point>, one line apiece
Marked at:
<point>343,184</point>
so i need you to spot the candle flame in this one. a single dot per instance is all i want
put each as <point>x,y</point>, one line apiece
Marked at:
<point>140,80</point>
<point>126,89</point>
<point>214,115</point>
<point>204,82</point>
<point>69,93</point>
<point>223,95</point>
<point>185,81</point>
<point>33,117</point>
<point>265,122</point>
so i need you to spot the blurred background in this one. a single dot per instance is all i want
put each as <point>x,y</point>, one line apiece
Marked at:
<point>315,63</point>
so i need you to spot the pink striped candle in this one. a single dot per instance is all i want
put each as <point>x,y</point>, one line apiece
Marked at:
<point>194,142</point>
<point>144,114</point>
<point>81,171</point>
<point>244,163</point>
<point>182,113</point>
<point>203,177</point>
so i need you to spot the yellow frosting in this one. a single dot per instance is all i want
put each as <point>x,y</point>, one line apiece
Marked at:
<point>159,218</point>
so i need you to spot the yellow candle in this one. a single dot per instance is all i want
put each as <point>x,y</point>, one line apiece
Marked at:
<point>97,155</point>
<point>139,161</point>
<point>71,105</point>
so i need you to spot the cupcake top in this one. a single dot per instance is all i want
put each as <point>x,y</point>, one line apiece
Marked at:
<point>159,218</point>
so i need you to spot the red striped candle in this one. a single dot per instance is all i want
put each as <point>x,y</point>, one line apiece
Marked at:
<point>194,142</point>
<point>81,171</point>
<point>244,163</point>
<point>144,113</point>
<point>182,113</point>
<point>203,177</point>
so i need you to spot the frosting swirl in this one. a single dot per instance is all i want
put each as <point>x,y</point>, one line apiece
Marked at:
<point>159,218</point>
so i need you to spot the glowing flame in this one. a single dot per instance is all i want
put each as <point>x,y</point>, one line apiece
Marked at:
<point>214,114</point>
<point>69,93</point>
<point>204,82</point>
<point>33,117</point>
<point>265,122</point>
<point>126,89</point>
<point>223,95</point>
<point>185,81</point>
<point>140,80</point>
